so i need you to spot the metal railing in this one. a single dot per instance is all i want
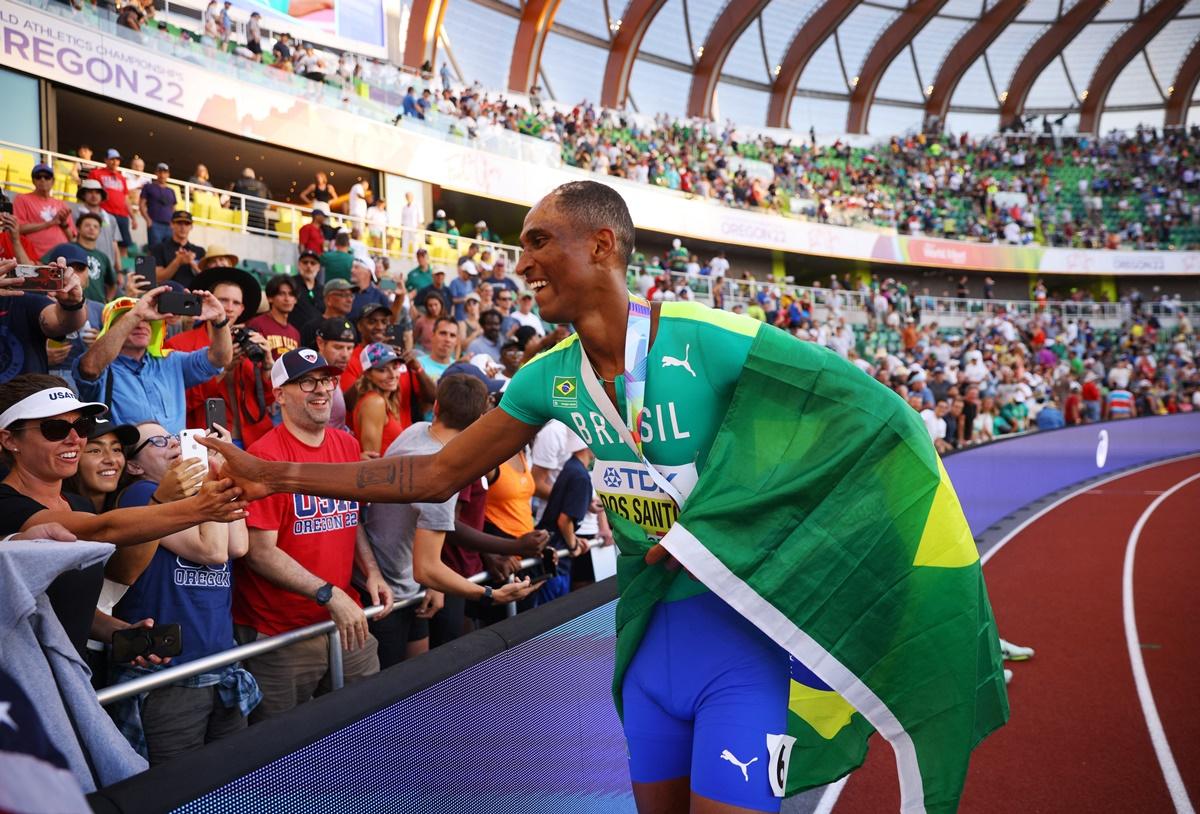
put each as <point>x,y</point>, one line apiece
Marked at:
<point>170,675</point>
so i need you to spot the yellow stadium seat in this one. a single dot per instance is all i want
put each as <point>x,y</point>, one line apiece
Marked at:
<point>19,167</point>
<point>286,224</point>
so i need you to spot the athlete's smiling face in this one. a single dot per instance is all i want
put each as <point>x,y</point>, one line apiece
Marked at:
<point>562,264</point>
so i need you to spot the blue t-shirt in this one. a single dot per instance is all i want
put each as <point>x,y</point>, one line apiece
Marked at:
<point>1050,418</point>
<point>461,288</point>
<point>151,388</point>
<point>571,495</point>
<point>368,296</point>
<point>160,202</point>
<point>175,590</point>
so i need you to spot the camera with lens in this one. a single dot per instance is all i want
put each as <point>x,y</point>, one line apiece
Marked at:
<point>252,351</point>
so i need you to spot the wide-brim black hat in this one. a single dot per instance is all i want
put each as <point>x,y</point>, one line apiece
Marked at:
<point>251,290</point>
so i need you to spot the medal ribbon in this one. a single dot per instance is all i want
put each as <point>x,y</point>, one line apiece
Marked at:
<point>637,348</point>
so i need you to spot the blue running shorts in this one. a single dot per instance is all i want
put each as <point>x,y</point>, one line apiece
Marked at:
<point>701,695</point>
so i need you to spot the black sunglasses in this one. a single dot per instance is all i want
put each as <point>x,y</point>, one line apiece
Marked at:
<point>43,176</point>
<point>57,429</point>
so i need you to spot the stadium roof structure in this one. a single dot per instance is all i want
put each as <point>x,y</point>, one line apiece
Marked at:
<point>854,66</point>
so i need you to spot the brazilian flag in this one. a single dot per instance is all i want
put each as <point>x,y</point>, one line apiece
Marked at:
<point>823,515</point>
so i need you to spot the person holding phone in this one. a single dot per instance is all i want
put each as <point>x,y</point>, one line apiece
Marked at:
<point>45,220</point>
<point>28,319</point>
<point>177,258</point>
<point>43,427</point>
<point>187,582</point>
<point>128,367</point>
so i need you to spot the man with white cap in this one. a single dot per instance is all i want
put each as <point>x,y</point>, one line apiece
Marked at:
<point>482,232</point>
<point>362,275</point>
<point>303,551</point>
<point>91,194</point>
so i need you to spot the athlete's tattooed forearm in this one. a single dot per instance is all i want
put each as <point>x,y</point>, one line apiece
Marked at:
<point>376,474</point>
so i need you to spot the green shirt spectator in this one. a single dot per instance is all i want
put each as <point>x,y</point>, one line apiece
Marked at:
<point>337,261</point>
<point>420,276</point>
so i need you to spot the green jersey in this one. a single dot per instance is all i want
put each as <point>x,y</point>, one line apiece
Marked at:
<point>693,365</point>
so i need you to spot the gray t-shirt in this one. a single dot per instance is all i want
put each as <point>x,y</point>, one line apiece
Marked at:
<point>391,526</point>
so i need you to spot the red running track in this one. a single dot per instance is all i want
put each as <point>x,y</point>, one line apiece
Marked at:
<point>1077,739</point>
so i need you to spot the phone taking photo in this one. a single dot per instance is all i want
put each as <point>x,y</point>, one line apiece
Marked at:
<point>44,279</point>
<point>146,268</point>
<point>163,641</point>
<point>215,413</point>
<point>189,447</point>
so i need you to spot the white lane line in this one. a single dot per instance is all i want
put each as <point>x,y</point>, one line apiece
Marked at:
<point>829,799</point>
<point>1162,749</point>
<point>833,791</point>
<point>991,552</point>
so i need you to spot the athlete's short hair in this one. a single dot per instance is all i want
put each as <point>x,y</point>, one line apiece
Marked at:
<point>593,206</point>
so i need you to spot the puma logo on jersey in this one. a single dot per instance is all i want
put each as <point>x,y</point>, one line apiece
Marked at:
<point>671,361</point>
<point>727,755</point>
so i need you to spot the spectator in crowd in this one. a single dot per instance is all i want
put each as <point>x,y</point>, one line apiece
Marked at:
<point>439,222</point>
<point>127,367</point>
<point>244,384</point>
<point>91,194</point>
<point>254,35</point>
<point>1050,417</point>
<point>439,287</point>
<point>187,581</point>
<point>408,105</point>
<point>509,498</point>
<point>483,233</point>
<point>335,340</point>
<point>362,274</point>
<point>85,256</point>
<point>282,52</point>
<point>935,424</point>
<point>310,65</point>
<point>212,21</point>
<point>468,327</point>
<point>310,295</point>
<point>408,539</point>
<point>377,223</point>
<point>45,221</point>
<point>177,258</point>
<point>1119,404</point>
<point>382,406</point>
<point>468,279</point>
<point>502,303</point>
<point>1073,406</point>
<point>303,550</point>
<point>432,310</point>
<point>411,219</point>
<point>256,201</point>
<point>43,427</point>
<point>524,314</point>
<point>443,347</point>
<point>359,197</point>
<point>1014,414</point>
<point>312,234</point>
<point>567,507</point>
<point>320,193</point>
<point>491,341</point>
<point>499,276</point>
<point>338,295</point>
<point>1092,398</point>
<point>157,205</point>
<point>81,168</point>
<point>275,324</point>
<point>116,201</point>
<point>420,276</point>
<point>27,320</point>
<point>336,263</point>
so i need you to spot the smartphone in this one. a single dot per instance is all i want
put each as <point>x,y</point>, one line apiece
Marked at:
<point>147,268</point>
<point>6,207</point>
<point>189,447</point>
<point>549,565</point>
<point>214,413</point>
<point>161,640</point>
<point>177,302</point>
<point>40,278</point>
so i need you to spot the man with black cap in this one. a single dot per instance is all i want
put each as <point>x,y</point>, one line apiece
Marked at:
<point>338,295</point>
<point>243,385</point>
<point>157,205</point>
<point>310,298</point>
<point>303,551</point>
<point>335,343</point>
<point>91,194</point>
<point>176,258</point>
<point>100,281</point>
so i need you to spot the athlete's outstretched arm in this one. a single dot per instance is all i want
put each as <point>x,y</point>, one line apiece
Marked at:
<point>483,446</point>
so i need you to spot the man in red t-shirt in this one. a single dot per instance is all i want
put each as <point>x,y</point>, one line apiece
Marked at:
<point>312,235</point>
<point>280,334</point>
<point>116,201</point>
<point>303,550</point>
<point>44,220</point>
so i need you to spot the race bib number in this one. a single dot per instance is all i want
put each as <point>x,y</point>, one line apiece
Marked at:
<point>626,489</point>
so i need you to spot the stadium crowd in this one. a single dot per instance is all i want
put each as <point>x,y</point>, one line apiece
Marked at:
<point>330,364</point>
<point>1138,189</point>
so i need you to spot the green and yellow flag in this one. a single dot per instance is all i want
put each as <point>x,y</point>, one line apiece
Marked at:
<point>824,516</point>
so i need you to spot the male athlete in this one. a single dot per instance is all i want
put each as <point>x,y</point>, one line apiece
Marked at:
<point>638,383</point>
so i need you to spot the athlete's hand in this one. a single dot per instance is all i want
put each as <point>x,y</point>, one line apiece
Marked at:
<point>248,472</point>
<point>658,554</point>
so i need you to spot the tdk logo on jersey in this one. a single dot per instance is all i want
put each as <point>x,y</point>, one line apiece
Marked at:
<point>315,515</point>
<point>565,392</point>
<point>634,477</point>
<point>611,478</point>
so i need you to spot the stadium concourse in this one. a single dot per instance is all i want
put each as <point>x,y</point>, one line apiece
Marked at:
<point>866,464</point>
